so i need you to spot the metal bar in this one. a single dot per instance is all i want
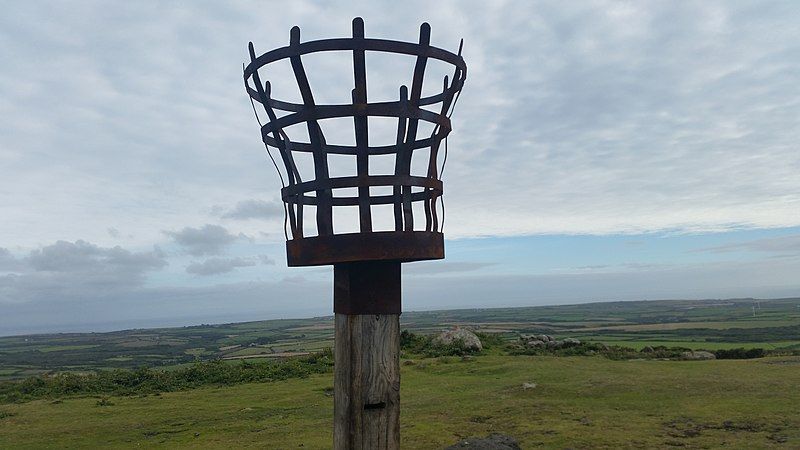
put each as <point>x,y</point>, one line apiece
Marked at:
<point>380,45</point>
<point>400,139</point>
<point>324,207</point>
<point>335,111</point>
<point>426,194</point>
<point>360,122</point>
<point>374,180</point>
<point>264,92</point>
<point>404,155</point>
<point>297,107</point>
<point>352,150</point>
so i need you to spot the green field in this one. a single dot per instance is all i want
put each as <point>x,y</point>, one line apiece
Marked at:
<point>695,324</point>
<point>614,396</point>
<point>579,402</point>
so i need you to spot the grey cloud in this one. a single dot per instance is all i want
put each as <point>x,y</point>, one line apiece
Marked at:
<point>621,267</point>
<point>440,267</point>
<point>81,256</point>
<point>74,271</point>
<point>594,267</point>
<point>254,209</point>
<point>782,244</point>
<point>599,117</point>
<point>297,296</point>
<point>206,240</point>
<point>8,261</point>
<point>216,266</point>
<point>297,279</point>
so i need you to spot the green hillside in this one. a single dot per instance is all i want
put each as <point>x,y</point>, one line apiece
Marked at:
<point>578,402</point>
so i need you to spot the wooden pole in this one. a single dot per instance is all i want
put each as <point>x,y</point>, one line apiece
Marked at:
<point>367,382</point>
<point>366,385</point>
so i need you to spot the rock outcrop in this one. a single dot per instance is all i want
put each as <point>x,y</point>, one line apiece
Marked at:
<point>468,338</point>
<point>697,355</point>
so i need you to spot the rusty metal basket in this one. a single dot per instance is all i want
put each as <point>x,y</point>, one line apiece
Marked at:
<point>406,242</point>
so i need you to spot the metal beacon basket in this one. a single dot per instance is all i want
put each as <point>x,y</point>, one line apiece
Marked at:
<point>413,238</point>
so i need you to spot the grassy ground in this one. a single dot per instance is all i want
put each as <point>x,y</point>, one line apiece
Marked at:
<point>580,402</point>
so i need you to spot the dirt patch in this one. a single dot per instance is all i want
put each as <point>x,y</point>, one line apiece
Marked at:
<point>686,427</point>
<point>783,362</point>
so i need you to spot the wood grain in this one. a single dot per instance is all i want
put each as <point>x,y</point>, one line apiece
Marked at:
<point>367,382</point>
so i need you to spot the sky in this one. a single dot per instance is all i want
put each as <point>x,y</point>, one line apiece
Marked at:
<point>601,150</point>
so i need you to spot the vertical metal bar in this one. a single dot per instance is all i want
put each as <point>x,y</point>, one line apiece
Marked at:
<point>399,145</point>
<point>324,202</point>
<point>291,170</point>
<point>433,171</point>
<point>404,166</point>
<point>361,125</point>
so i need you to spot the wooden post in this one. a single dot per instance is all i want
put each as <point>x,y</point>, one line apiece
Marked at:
<point>367,382</point>
<point>367,356</point>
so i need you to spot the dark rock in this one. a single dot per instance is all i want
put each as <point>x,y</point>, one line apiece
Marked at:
<point>491,442</point>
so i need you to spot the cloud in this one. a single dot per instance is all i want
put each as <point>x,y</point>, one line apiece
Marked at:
<point>216,266</point>
<point>254,209</point>
<point>578,118</point>
<point>8,262</point>
<point>206,240</point>
<point>81,256</point>
<point>440,267</point>
<point>74,271</point>
<point>782,245</point>
<point>298,296</point>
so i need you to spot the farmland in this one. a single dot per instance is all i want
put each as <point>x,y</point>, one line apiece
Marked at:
<point>578,402</point>
<point>257,388</point>
<point>696,324</point>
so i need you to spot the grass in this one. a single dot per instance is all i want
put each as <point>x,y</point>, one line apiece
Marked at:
<point>579,402</point>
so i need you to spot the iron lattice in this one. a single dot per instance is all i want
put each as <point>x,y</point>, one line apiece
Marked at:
<point>404,243</point>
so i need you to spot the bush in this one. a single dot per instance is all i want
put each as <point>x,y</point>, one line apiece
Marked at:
<point>149,381</point>
<point>614,352</point>
<point>740,353</point>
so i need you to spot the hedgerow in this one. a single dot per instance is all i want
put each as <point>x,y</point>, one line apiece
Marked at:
<point>146,380</point>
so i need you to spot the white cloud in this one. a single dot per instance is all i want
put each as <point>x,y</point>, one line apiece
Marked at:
<point>580,118</point>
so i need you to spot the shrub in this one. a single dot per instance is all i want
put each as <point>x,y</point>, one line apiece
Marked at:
<point>614,352</point>
<point>740,353</point>
<point>149,381</point>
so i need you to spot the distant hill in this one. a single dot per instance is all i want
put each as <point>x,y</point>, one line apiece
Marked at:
<point>708,324</point>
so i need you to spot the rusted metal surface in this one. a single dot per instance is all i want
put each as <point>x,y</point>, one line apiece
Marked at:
<point>413,238</point>
<point>405,246</point>
<point>367,288</point>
